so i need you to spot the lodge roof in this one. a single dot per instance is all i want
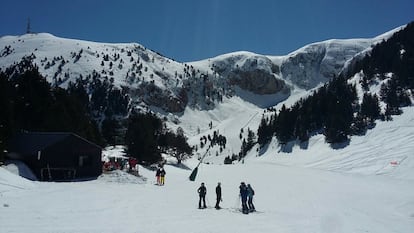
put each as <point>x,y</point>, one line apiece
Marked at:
<point>32,142</point>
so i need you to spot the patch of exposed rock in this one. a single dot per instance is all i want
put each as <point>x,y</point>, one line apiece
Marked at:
<point>162,98</point>
<point>257,81</point>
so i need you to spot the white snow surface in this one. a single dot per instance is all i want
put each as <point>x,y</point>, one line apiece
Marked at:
<point>366,187</point>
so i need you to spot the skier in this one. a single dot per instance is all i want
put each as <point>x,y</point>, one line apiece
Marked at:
<point>162,175</point>
<point>202,191</point>
<point>250,194</point>
<point>132,162</point>
<point>158,175</point>
<point>218,194</point>
<point>243,195</point>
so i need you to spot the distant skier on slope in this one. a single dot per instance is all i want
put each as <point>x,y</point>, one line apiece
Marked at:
<point>218,195</point>
<point>243,196</point>
<point>202,191</point>
<point>158,175</point>
<point>162,175</point>
<point>132,162</point>
<point>250,194</point>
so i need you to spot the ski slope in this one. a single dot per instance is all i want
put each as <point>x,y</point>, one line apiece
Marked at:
<point>356,189</point>
<point>386,150</point>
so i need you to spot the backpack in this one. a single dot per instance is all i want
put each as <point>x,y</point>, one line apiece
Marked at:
<point>250,191</point>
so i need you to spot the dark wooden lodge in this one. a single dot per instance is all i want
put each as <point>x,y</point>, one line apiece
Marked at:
<point>57,156</point>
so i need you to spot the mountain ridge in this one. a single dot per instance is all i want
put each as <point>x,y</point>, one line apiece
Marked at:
<point>99,48</point>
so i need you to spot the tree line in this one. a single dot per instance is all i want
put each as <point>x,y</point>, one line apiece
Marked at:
<point>28,102</point>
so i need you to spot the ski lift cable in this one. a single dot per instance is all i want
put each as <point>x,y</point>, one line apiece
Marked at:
<point>194,172</point>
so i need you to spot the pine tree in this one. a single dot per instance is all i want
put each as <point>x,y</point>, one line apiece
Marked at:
<point>175,144</point>
<point>264,132</point>
<point>370,107</point>
<point>109,129</point>
<point>141,137</point>
<point>6,114</point>
<point>284,125</point>
<point>339,114</point>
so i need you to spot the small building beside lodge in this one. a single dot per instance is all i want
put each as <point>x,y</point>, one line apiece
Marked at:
<point>59,156</point>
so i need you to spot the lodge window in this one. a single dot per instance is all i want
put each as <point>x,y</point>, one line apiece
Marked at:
<point>85,161</point>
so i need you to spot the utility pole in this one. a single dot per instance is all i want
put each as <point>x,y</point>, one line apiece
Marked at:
<point>28,29</point>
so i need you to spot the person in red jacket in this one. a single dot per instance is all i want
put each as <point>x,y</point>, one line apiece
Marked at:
<point>132,162</point>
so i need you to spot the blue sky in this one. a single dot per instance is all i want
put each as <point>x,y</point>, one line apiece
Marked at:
<point>189,30</point>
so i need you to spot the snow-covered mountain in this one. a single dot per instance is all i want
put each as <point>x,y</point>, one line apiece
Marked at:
<point>178,85</point>
<point>225,94</point>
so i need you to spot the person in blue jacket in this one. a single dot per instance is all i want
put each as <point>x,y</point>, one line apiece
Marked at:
<point>250,194</point>
<point>243,196</point>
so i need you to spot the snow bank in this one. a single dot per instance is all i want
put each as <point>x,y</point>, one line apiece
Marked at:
<point>10,182</point>
<point>20,168</point>
<point>121,177</point>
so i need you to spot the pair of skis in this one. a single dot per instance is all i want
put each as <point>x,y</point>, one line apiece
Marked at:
<point>234,210</point>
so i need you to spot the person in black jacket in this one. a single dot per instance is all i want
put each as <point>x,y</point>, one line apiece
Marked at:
<point>218,194</point>
<point>202,191</point>
<point>243,196</point>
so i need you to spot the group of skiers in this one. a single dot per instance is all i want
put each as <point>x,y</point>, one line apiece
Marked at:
<point>246,196</point>
<point>130,165</point>
<point>246,193</point>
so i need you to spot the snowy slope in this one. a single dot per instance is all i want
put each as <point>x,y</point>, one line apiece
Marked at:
<point>46,47</point>
<point>228,118</point>
<point>385,150</point>
<point>318,62</point>
<point>323,190</point>
<point>294,200</point>
<point>127,65</point>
